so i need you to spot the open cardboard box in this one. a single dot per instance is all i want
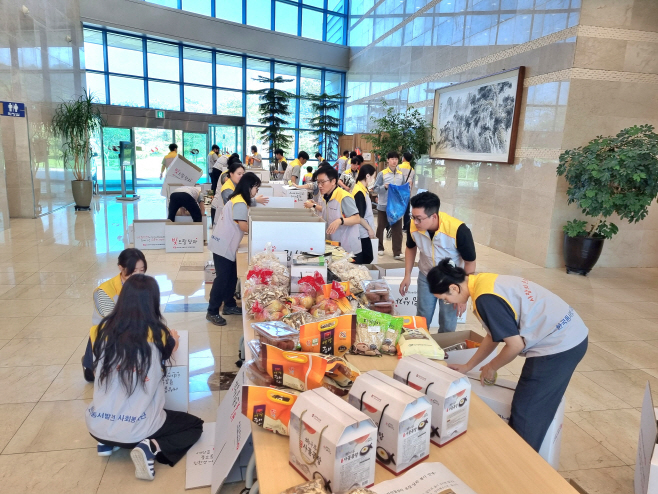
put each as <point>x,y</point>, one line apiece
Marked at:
<point>149,234</point>
<point>348,439</point>
<point>446,340</point>
<point>448,391</point>
<point>295,234</point>
<point>180,171</point>
<point>403,416</point>
<point>395,269</point>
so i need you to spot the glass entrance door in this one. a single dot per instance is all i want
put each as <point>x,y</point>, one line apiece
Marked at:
<point>227,137</point>
<point>109,178</point>
<point>195,149</point>
<point>151,146</point>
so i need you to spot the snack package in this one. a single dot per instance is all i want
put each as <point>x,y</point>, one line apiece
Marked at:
<point>340,370</point>
<point>376,290</point>
<point>255,375</point>
<point>333,336</point>
<point>417,341</point>
<point>296,370</point>
<point>268,408</point>
<point>376,333</point>
<point>298,316</point>
<point>276,333</point>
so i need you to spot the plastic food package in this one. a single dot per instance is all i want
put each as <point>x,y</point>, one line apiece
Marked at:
<point>305,300</point>
<point>376,333</point>
<point>311,285</point>
<point>350,272</point>
<point>268,261</point>
<point>276,333</point>
<point>255,375</point>
<point>296,370</point>
<point>417,341</point>
<point>376,290</point>
<point>311,487</point>
<point>298,317</point>
<point>268,407</point>
<point>333,336</point>
<point>273,311</point>
<point>383,306</point>
<point>264,295</point>
<point>325,308</point>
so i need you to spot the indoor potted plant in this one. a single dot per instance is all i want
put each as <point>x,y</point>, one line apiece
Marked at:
<point>75,122</point>
<point>610,175</point>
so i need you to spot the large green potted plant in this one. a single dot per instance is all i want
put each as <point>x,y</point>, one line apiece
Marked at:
<point>610,175</point>
<point>324,124</point>
<point>75,122</point>
<point>402,132</point>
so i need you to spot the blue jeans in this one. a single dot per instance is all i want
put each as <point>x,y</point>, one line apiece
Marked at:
<point>427,305</point>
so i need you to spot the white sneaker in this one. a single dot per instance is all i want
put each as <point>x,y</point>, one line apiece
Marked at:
<point>381,252</point>
<point>398,258</point>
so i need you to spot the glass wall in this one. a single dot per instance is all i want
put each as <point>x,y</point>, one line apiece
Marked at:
<point>138,71</point>
<point>324,20</point>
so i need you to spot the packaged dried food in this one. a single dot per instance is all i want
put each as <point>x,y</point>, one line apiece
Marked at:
<point>315,486</point>
<point>255,375</point>
<point>296,370</point>
<point>264,295</point>
<point>376,333</point>
<point>265,268</point>
<point>386,306</point>
<point>417,341</point>
<point>268,407</point>
<point>276,333</point>
<point>334,387</point>
<point>333,336</point>
<point>376,291</point>
<point>297,317</point>
<point>350,272</point>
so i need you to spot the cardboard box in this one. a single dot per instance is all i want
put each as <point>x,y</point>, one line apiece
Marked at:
<point>499,398</point>
<point>180,171</point>
<point>395,269</point>
<point>446,340</point>
<point>425,478</point>
<point>264,175</point>
<point>373,270</point>
<point>347,456</point>
<point>176,383</point>
<point>403,417</point>
<point>266,190</point>
<point>184,237</point>
<point>448,391</point>
<point>298,271</point>
<point>209,272</point>
<point>299,195</point>
<point>188,219</point>
<point>149,234</point>
<point>277,187</point>
<point>375,250</point>
<point>295,234</point>
<point>407,305</point>
<point>646,464</point>
<point>279,202</point>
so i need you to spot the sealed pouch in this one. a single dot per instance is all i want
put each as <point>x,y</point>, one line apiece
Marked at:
<point>384,306</point>
<point>340,370</point>
<point>376,333</point>
<point>417,341</point>
<point>268,408</point>
<point>276,333</point>
<point>295,370</point>
<point>332,336</point>
<point>413,322</point>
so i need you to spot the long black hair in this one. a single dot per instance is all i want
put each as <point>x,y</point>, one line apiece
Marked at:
<point>243,187</point>
<point>443,275</point>
<point>364,171</point>
<point>129,258</point>
<point>233,167</point>
<point>122,339</point>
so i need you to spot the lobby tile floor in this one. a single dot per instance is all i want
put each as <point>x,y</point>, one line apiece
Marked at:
<point>49,267</point>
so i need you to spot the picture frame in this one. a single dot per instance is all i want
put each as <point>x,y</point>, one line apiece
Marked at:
<point>478,120</point>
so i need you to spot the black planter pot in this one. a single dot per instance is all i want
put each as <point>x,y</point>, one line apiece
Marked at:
<point>581,253</point>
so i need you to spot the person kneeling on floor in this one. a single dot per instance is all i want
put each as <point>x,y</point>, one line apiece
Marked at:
<point>131,349</point>
<point>188,198</point>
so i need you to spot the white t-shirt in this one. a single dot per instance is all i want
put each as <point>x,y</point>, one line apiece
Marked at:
<point>193,191</point>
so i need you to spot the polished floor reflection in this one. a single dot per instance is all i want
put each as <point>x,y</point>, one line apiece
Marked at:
<point>49,267</point>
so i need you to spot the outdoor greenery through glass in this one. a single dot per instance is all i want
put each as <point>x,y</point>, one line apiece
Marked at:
<point>175,77</point>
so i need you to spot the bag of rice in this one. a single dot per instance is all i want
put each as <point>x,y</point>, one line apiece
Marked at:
<point>376,333</point>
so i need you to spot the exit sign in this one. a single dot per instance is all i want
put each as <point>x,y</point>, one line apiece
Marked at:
<point>159,114</point>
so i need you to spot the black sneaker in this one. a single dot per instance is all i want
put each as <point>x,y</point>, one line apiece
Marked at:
<point>216,319</point>
<point>232,311</point>
<point>88,373</point>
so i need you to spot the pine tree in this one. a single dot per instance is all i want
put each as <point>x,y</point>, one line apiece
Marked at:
<point>325,126</point>
<point>273,108</point>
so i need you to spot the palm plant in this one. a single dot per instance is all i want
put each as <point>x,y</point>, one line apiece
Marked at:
<point>273,108</point>
<point>75,122</point>
<point>324,124</point>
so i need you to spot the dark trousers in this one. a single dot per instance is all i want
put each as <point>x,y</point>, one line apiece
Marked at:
<point>223,287</point>
<point>365,256</point>
<point>406,219</point>
<point>382,222</point>
<point>184,200</point>
<point>214,177</point>
<point>178,434</point>
<point>541,387</point>
<point>212,215</point>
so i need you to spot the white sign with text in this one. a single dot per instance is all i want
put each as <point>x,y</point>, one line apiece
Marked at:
<point>184,237</point>
<point>149,234</point>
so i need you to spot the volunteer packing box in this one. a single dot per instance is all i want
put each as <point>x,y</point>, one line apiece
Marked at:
<point>277,187</point>
<point>149,234</point>
<point>188,219</point>
<point>184,237</point>
<point>266,190</point>
<point>646,465</point>
<point>305,266</point>
<point>332,440</point>
<point>299,195</point>
<point>448,391</point>
<point>395,269</point>
<point>499,398</point>
<point>407,305</point>
<point>176,382</point>
<point>264,175</point>
<point>402,416</point>
<point>181,171</point>
<point>460,346</point>
<point>279,202</point>
<point>293,232</point>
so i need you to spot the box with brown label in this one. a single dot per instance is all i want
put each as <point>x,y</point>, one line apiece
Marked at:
<point>332,441</point>
<point>402,416</point>
<point>329,336</point>
<point>447,390</point>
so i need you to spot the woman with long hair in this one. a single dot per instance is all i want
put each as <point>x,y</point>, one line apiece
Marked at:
<point>223,243</point>
<point>131,261</point>
<point>533,323</point>
<point>364,205</point>
<point>131,347</point>
<point>235,172</point>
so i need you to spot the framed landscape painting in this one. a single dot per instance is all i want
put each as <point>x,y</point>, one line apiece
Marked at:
<point>478,120</point>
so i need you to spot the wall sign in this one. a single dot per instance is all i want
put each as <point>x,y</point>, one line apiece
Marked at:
<point>11,109</point>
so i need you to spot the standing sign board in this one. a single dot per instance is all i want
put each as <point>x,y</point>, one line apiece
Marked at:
<point>646,465</point>
<point>149,234</point>
<point>181,171</point>
<point>183,237</point>
<point>176,382</point>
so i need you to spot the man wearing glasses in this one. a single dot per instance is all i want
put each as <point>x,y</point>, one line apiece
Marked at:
<point>438,236</point>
